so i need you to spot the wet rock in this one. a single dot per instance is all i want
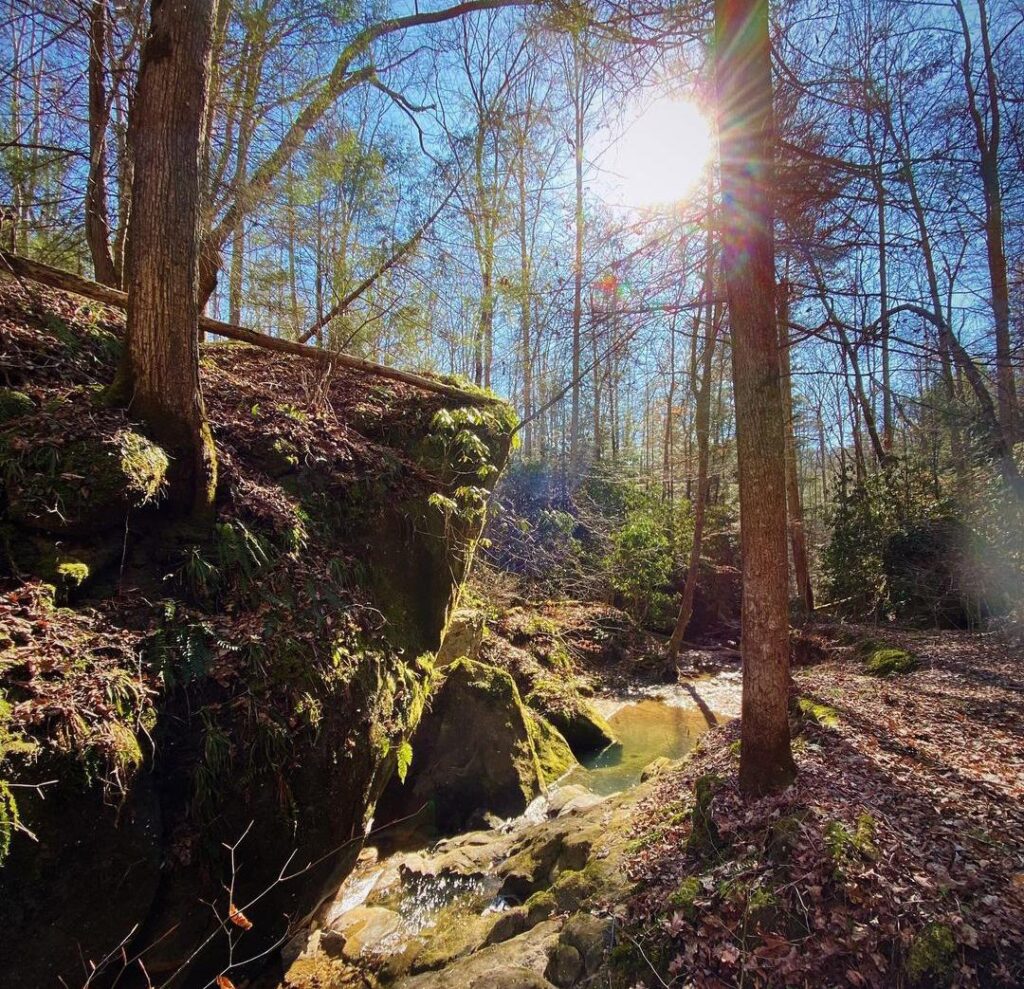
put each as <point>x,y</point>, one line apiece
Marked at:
<point>572,799</point>
<point>454,936</point>
<point>584,729</point>
<point>510,924</point>
<point>564,966</point>
<point>518,963</point>
<point>364,930</point>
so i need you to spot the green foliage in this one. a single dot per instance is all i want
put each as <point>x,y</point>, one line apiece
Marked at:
<point>639,564</point>
<point>403,759</point>
<point>932,956</point>
<point>14,404</point>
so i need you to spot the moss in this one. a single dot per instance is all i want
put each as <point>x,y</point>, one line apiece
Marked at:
<point>540,906</point>
<point>575,887</point>
<point>844,845</point>
<point>88,484</point>
<point>73,572</point>
<point>14,404</point>
<point>539,625</point>
<point>887,662</point>
<point>684,898</point>
<point>932,956</point>
<point>762,907</point>
<point>705,840</point>
<point>819,714</point>
<point>553,752</point>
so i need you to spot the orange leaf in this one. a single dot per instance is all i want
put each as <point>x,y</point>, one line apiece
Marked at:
<point>238,918</point>
<point>223,982</point>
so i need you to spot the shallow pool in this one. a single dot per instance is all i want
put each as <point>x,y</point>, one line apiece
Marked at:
<point>646,727</point>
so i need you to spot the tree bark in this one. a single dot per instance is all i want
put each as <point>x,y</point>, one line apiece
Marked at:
<point>745,126</point>
<point>160,374</point>
<point>97,222</point>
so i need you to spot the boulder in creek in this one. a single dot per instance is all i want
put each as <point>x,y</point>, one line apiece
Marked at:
<point>478,750</point>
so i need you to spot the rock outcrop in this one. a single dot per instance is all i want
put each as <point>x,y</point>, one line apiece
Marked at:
<point>220,709</point>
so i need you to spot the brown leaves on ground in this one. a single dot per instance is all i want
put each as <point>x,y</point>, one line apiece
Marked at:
<point>907,817</point>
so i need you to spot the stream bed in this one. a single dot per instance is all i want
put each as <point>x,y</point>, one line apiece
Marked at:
<point>390,900</point>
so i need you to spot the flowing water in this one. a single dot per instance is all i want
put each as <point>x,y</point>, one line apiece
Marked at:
<point>651,723</point>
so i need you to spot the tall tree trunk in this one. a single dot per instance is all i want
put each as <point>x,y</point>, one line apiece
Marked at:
<point>577,288</point>
<point>702,424</point>
<point>745,126</point>
<point>797,538</point>
<point>160,374</point>
<point>97,223</point>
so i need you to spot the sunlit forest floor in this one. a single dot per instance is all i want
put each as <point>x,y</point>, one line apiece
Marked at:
<point>897,858</point>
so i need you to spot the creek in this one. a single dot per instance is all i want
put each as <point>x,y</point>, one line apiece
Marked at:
<point>414,891</point>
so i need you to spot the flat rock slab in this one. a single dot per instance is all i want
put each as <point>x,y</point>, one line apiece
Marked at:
<point>518,963</point>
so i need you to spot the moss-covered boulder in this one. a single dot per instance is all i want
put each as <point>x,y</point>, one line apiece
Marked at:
<point>474,752</point>
<point>886,661</point>
<point>87,486</point>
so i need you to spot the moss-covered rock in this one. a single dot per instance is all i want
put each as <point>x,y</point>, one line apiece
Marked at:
<point>886,661</point>
<point>810,710</point>
<point>553,752</point>
<point>932,957</point>
<point>87,486</point>
<point>475,752</point>
<point>14,404</point>
<point>584,728</point>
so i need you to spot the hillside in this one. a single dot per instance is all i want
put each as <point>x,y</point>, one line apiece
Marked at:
<point>166,693</point>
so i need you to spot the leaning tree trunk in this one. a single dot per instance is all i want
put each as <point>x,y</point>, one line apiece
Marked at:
<point>745,123</point>
<point>160,374</point>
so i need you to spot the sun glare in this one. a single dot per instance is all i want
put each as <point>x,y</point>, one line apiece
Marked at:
<point>660,155</point>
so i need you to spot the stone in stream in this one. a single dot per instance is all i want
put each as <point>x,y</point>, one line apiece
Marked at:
<point>655,768</point>
<point>476,751</point>
<point>363,930</point>
<point>571,799</point>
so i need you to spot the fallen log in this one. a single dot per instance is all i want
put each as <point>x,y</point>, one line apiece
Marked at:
<point>44,274</point>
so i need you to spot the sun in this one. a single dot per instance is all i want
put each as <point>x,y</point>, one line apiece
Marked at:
<point>659,156</point>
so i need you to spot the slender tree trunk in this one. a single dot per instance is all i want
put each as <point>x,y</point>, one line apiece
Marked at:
<point>797,536</point>
<point>577,289</point>
<point>746,128</point>
<point>702,424</point>
<point>160,375</point>
<point>97,223</point>
<point>525,299</point>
